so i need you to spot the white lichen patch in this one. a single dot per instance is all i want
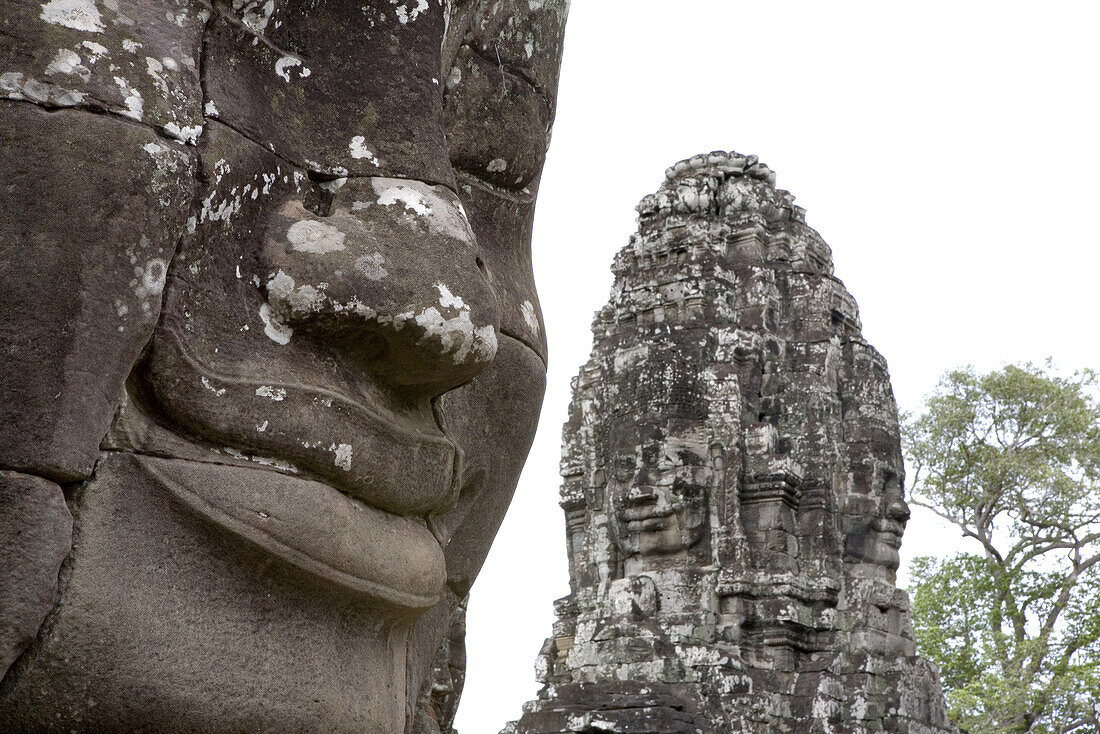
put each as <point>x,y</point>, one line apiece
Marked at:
<point>355,306</point>
<point>210,110</point>
<point>275,463</point>
<point>275,394</point>
<point>150,279</point>
<point>184,133</point>
<point>285,64</point>
<point>231,202</point>
<point>288,300</point>
<point>67,63</point>
<point>448,299</point>
<point>134,104</point>
<point>457,335</point>
<point>13,85</point>
<point>315,237</point>
<point>530,316</point>
<point>343,455</point>
<point>286,297</point>
<point>155,69</point>
<point>256,14</point>
<point>435,206</point>
<point>333,185</point>
<point>358,148</point>
<point>279,464</point>
<point>414,200</point>
<point>268,179</point>
<point>371,266</point>
<point>454,78</point>
<point>218,391</point>
<point>409,10</point>
<point>221,168</point>
<point>497,165</point>
<point>96,51</point>
<point>80,15</point>
<point>274,328</point>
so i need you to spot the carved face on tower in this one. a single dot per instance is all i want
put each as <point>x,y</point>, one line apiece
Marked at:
<point>658,490</point>
<point>878,542</point>
<point>873,502</point>
<point>308,244</point>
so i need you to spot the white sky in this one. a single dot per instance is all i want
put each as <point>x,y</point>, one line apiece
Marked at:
<point>947,151</point>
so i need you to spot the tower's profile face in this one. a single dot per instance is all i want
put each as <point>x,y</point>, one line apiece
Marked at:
<point>658,492</point>
<point>878,540</point>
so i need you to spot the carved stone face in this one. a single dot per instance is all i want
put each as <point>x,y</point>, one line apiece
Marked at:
<point>879,541</point>
<point>332,371</point>
<point>658,493</point>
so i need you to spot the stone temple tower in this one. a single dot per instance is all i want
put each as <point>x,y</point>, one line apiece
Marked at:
<point>732,488</point>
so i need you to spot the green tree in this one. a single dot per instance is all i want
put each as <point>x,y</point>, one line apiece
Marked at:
<point>1012,458</point>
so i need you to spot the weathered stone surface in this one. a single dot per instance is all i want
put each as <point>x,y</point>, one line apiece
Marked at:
<point>90,212</point>
<point>732,488</point>
<point>35,536</point>
<point>138,59</point>
<point>437,703</point>
<point>268,313</point>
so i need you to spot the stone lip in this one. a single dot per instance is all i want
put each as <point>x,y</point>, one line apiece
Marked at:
<point>306,428</point>
<point>390,559</point>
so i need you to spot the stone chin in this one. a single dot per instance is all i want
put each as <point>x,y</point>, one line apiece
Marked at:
<point>877,545</point>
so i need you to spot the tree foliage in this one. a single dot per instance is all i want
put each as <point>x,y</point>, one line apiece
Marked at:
<point>1012,458</point>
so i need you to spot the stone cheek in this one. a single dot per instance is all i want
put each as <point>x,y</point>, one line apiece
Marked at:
<point>730,359</point>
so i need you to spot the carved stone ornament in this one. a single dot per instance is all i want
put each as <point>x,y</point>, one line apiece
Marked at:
<point>732,489</point>
<point>272,356</point>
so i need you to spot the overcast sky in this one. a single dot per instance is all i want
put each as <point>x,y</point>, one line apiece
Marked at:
<point>948,152</point>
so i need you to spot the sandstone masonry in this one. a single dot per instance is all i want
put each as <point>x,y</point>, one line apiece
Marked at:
<point>732,488</point>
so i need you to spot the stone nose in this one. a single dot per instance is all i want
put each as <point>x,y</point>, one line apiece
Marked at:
<point>897,509</point>
<point>390,275</point>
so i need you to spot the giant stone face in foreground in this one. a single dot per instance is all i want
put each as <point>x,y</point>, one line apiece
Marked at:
<point>732,488</point>
<point>272,355</point>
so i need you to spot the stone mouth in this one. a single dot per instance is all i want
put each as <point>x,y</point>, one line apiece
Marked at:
<point>650,524</point>
<point>645,514</point>
<point>890,532</point>
<point>408,469</point>
<point>644,510</point>
<point>392,560</point>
